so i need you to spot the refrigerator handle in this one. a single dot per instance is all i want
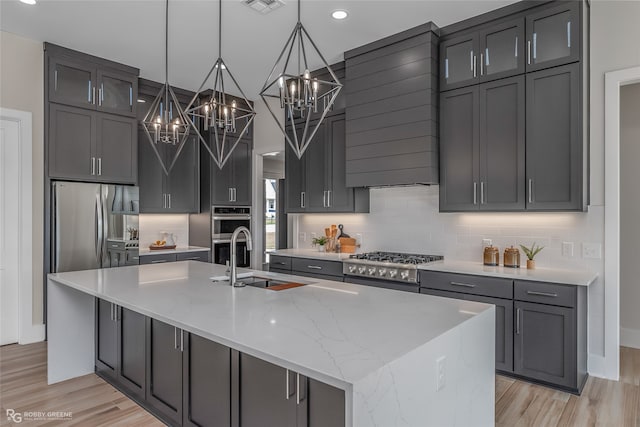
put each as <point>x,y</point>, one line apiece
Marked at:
<point>99,236</point>
<point>105,223</point>
<point>56,231</point>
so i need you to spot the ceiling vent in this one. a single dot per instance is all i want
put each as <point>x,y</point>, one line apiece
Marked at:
<point>264,6</point>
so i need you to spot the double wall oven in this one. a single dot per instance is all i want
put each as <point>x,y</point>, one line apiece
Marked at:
<point>224,220</point>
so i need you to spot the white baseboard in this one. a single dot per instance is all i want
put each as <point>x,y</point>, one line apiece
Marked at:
<point>596,366</point>
<point>630,337</point>
<point>33,334</point>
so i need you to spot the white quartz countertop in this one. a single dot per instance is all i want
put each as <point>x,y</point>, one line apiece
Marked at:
<point>569,277</point>
<point>335,332</point>
<point>312,254</point>
<point>179,249</point>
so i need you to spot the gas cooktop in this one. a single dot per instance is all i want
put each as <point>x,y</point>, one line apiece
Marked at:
<point>394,266</point>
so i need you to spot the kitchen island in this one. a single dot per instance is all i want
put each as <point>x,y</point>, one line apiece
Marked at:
<point>398,358</point>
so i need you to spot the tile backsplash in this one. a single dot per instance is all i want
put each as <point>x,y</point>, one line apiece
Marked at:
<point>406,219</point>
<point>153,225</point>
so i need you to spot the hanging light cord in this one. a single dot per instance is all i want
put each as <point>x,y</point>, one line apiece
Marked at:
<point>220,29</point>
<point>166,56</point>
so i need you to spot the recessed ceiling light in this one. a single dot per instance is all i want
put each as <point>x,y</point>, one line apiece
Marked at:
<point>339,14</point>
<point>274,153</point>
<point>28,1</point>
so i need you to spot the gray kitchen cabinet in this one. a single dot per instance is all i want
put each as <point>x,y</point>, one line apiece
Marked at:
<point>117,92</point>
<point>120,347</point>
<point>117,148</point>
<point>157,258</point>
<point>317,182</point>
<point>207,383</point>
<point>458,59</point>
<point>482,150</point>
<point>72,82</point>
<point>150,176</point>
<point>554,147</point>
<point>307,267</point>
<point>502,52</point>
<point>554,36</point>
<point>231,185</point>
<point>392,110</point>
<point>164,371</point>
<point>193,256</point>
<point>176,256</point>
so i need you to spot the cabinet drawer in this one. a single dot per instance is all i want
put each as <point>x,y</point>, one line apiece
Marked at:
<point>132,258</point>
<point>545,293</point>
<point>475,285</point>
<point>280,262</point>
<point>193,256</point>
<point>113,245</point>
<point>316,266</point>
<point>157,259</point>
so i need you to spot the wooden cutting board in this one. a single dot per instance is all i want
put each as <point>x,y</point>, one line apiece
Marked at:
<point>285,286</point>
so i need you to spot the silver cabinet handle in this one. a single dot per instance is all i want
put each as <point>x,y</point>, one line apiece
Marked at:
<point>528,51</point>
<point>130,96</point>
<point>324,199</point>
<point>297,388</point>
<point>286,379</point>
<point>542,294</point>
<point>230,195</point>
<point>111,311</point>
<point>481,64</point>
<point>235,194</point>
<point>164,200</point>
<point>518,321</point>
<point>114,246</point>
<point>93,166</point>
<point>278,263</point>
<point>100,94</point>
<point>93,95</point>
<point>535,45</point>
<point>302,199</point>
<point>169,198</point>
<point>99,166</point>
<point>446,68</point>
<point>193,258</point>
<point>314,267</point>
<point>328,198</point>
<point>569,34</point>
<point>475,193</point>
<point>482,192</point>
<point>471,60</point>
<point>466,285</point>
<point>181,340</point>
<point>530,190</point>
<point>158,261</point>
<point>175,338</point>
<point>475,59</point>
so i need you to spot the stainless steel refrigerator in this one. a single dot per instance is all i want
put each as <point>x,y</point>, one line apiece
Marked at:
<point>84,216</point>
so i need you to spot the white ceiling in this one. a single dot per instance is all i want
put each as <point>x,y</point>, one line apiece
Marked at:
<point>132,31</point>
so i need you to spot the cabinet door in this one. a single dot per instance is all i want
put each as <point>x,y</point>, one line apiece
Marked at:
<point>117,148</point>
<point>106,339</point>
<point>554,140</point>
<point>72,83</point>
<point>326,405</point>
<point>72,136</point>
<point>294,180</point>
<point>132,351</point>
<point>458,57</point>
<point>502,145</point>
<point>150,175</point>
<point>241,173</point>
<point>459,150</point>
<point>340,198</point>
<point>553,36</point>
<point>545,343</point>
<point>183,183</point>
<point>207,383</point>
<point>221,185</point>
<point>117,93</point>
<point>317,167</point>
<point>266,399</point>
<point>164,370</point>
<point>502,51</point>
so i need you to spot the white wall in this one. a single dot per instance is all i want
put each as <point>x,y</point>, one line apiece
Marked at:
<point>22,88</point>
<point>629,215</point>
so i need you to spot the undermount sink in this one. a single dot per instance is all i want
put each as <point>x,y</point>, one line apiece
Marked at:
<point>250,279</point>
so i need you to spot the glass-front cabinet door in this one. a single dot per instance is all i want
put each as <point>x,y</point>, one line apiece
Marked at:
<point>72,83</point>
<point>553,36</point>
<point>458,62</point>
<point>502,51</point>
<point>116,93</point>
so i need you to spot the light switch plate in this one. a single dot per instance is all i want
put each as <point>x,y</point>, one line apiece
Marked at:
<point>567,249</point>
<point>302,237</point>
<point>592,250</point>
<point>441,363</point>
<point>487,242</point>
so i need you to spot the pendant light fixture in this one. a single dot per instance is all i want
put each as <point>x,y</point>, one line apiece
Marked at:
<point>166,121</point>
<point>300,94</point>
<point>219,113</point>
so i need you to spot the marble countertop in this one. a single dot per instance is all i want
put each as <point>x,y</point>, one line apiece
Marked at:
<point>552,275</point>
<point>335,332</point>
<point>312,254</point>
<point>179,249</point>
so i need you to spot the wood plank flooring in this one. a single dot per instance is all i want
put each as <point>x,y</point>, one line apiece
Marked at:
<point>93,402</point>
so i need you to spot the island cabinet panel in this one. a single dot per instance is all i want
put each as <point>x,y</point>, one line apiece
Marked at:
<point>326,405</point>
<point>391,115</point>
<point>106,339</point>
<point>164,371</point>
<point>207,383</point>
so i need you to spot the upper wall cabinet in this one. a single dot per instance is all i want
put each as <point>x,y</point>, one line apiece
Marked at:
<point>553,36</point>
<point>392,110</point>
<point>489,54</point>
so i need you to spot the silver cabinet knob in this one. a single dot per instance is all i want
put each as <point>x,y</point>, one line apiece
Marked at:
<point>404,275</point>
<point>393,273</point>
<point>372,271</point>
<point>352,268</point>
<point>362,270</point>
<point>382,272</point>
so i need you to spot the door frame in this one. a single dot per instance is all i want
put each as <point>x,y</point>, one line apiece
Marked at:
<point>27,331</point>
<point>613,81</point>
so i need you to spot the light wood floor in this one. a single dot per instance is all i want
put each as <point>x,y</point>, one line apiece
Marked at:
<point>23,387</point>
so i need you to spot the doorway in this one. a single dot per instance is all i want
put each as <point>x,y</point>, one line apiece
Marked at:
<point>270,216</point>
<point>629,214</point>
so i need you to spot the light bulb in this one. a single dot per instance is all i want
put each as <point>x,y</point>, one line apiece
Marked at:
<point>307,75</point>
<point>293,88</point>
<point>281,82</point>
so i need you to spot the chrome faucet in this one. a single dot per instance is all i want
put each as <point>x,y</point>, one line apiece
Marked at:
<point>233,278</point>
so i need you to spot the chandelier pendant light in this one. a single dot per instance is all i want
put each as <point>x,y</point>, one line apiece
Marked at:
<point>166,121</point>
<point>220,114</point>
<point>300,94</point>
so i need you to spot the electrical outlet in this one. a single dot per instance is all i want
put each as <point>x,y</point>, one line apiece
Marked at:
<point>302,237</point>
<point>567,249</point>
<point>487,242</point>
<point>591,250</point>
<point>359,239</point>
<point>314,235</point>
<point>441,363</point>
